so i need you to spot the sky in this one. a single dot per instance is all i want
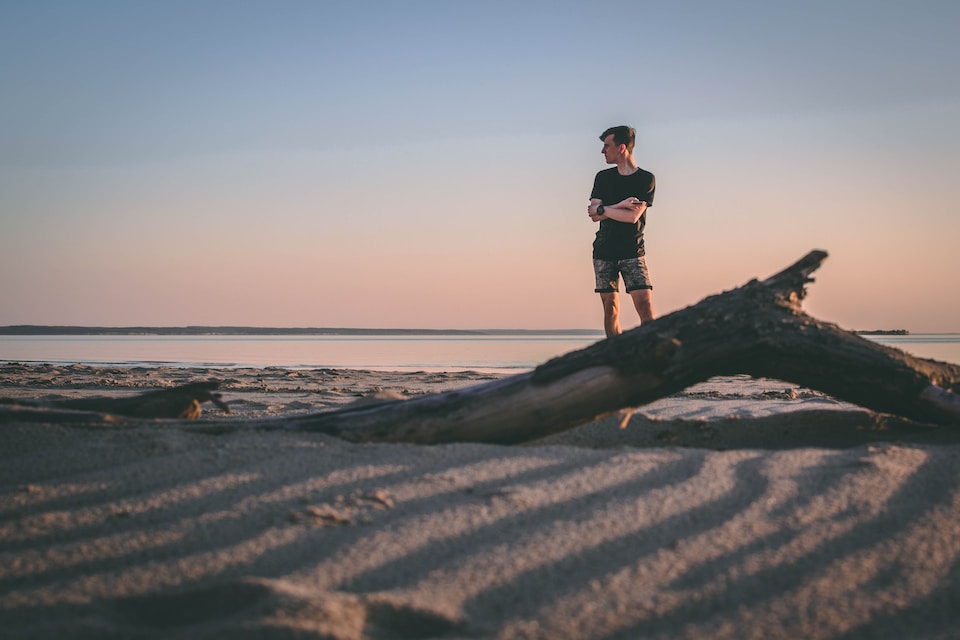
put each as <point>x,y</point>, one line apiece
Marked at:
<point>426,164</point>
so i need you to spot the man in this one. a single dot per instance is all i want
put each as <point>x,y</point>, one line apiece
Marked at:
<point>619,201</point>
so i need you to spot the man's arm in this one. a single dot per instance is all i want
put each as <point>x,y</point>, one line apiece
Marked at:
<point>629,210</point>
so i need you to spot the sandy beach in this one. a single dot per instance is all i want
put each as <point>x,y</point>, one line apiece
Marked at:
<point>739,508</point>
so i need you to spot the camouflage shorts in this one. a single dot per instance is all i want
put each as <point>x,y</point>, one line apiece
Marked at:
<point>633,270</point>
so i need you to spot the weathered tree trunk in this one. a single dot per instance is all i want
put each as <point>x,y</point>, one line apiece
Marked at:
<point>758,329</point>
<point>176,402</point>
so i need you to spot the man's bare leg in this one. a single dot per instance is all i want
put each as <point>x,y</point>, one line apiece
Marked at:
<point>643,301</point>
<point>611,313</point>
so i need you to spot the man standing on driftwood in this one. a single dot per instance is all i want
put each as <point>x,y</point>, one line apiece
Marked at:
<point>619,202</point>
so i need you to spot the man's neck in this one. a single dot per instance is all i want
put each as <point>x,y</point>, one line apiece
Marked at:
<point>627,165</point>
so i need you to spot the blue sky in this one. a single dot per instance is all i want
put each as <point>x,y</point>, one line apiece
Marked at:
<point>427,164</point>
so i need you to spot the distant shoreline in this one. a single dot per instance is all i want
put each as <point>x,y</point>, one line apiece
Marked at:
<point>201,330</point>
<point>884,332</point>
<point>57,330</point>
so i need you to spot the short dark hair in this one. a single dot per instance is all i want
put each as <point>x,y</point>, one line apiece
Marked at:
<point>621,135</point>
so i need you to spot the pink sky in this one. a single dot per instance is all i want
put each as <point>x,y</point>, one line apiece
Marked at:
<point>260,174</point>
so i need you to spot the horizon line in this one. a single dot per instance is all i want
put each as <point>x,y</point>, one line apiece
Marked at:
<point>36,329</point>
<point>90,330</point>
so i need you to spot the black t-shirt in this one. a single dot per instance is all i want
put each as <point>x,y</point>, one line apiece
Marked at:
<point>621,240</point>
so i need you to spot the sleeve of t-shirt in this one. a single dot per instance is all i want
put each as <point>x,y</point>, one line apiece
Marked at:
<point>596,188</point>
<point>653,187</point>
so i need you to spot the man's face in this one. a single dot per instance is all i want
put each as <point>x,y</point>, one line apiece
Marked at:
<point>612,152</point>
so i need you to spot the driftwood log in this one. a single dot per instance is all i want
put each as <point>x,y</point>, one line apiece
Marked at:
<point>757,329</point>
<point>183,402</point>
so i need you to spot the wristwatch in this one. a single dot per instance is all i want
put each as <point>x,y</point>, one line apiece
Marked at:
<point>600,210</point>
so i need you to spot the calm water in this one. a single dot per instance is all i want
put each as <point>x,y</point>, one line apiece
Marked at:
<point>936,346</point>
<point>386,353</point>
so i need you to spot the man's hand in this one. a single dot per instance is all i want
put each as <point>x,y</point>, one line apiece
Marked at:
<point>628,210</point>
<point>592,210</point>
<point>631,203</point>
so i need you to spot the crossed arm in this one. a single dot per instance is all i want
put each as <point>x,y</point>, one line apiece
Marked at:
<point>628,210</point>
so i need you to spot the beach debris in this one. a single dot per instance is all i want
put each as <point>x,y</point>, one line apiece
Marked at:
<point>180,402</point>
<point>327,515</point>
<point>379,496</point>
<point>379,396</point>
<point>345,510</point>
<point>624,416</point>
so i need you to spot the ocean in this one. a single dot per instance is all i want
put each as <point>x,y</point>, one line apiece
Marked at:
<point>500,353</point>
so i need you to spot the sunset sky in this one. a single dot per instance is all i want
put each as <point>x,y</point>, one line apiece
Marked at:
<point>428,164</point>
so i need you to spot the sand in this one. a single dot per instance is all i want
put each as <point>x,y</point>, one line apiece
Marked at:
<point>738,509</point>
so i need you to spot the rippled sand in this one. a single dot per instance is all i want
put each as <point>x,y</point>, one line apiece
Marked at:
<point>737,509</point>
